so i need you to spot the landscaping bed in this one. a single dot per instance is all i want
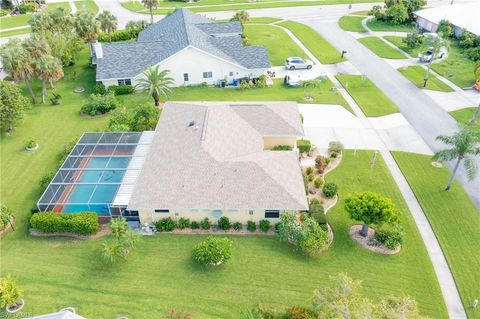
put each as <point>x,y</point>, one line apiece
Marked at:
<point>104,230</point>
<point>369,242</point>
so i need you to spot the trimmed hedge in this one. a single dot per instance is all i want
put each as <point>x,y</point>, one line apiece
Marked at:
<point>119,35</point>
<point>121,89</point>
<point>85,223</point>
<point>304,146</point>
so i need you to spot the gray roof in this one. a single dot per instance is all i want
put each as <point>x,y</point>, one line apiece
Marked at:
<point>220,162</point>
<point>172,34</point>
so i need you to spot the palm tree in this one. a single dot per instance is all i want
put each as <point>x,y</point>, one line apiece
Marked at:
<point>108,23</point>
<point>18,64</point>
<point>465,146</point>
<point>150,4</point>
<point>156,82</point>
<point>435,43</point>
<point>87,26</point>
<point>49,69</point>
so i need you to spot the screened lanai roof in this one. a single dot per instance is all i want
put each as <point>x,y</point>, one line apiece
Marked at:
<point>100,166</point>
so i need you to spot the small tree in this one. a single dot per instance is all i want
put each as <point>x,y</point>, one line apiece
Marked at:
<point>10,293</point>
<point>435,44</point>
<point>12,105</point>
<point>465,145</point>
<point>213,251</point>
<point>414,38</point>
<point>108,23</point>
<point>243,16</point>
<point>397,13</point>
<point>371,208</point>
<point>151,5</point>
<point>49,69</point>
<point>398,308</point>
<point>156,82</point>
<point>124,239</point>
<point>86,26</point>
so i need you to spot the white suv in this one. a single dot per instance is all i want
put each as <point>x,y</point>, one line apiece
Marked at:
<point>295,63</point>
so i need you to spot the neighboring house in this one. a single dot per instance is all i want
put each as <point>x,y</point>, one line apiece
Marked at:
<point>215,159</point>
<point>195,49</point>
<point>204,160</point>
<point>461,16</point>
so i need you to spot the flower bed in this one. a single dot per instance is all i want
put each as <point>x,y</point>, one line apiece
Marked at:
<point>104,230</point>
<point>370,242</point>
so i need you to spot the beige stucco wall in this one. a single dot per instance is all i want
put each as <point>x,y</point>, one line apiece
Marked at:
<point>149,215</point>
<point>271,141</point>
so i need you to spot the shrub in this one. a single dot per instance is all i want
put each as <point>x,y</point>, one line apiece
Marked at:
<point>391,237</point>
<point>100,104</point>
<point>314,201</point>
<point>4,12</point>
<point>213,251</point>
<point>99,88</point>
<point>305,182</point>
<point>300,313</point>
<point>317,213</point>
<point>378,12</point>
<point>413,39</point>
<point>311,177</point>
<point>318,182</point>
<point>304,146</point>
<point>205,224</point>
<point>333,154</point>
<point>320,163</point>
<point>282,148</point>
<point>46,179</point>
<point>194,225</point>
<point>85,223</point>
<point>30,143</point>
<point>5,214</point>
<point>224,223</point>
<point>473,53</point>
<point>264,225</point>
<point>27,7</point>
<point>119,35</point>
<point>183,223</point>
<point>397,13</point>
<point>251,226</point>
<point>262,81</point>
<point>165,224</point>
<point>121,89</point>
<point>10,293</point>
<point>237,226</point>
<point>309,170</point>
<point>329,189</point>
<point>467,39</point>
<point>335,146</point>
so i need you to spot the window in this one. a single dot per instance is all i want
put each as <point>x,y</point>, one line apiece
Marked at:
<point>230,73</point>
<point>130,213</point>
<point>272,214</point>
<point>185,77</point>
<point>162,211</point>
<point>207,75</point>
<point>125,82</point>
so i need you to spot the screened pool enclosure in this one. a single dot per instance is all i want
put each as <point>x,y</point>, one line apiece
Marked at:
<point>100,167</point>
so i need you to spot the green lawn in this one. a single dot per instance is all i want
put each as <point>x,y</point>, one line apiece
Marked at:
<point>380,48</point>
<point>86,5</point>
<point>263,20</point>
<point>376,25</point>
<point>465,115</point>
<point>368,96</point>
<point>15,32</point>
<point>22,19</point>
<point>351,23</point>
<point>454,218</point>
<point>319,47</point>
<point>398,42</point>
<point>279,45</point>
<point>360,13</point>
<point>457,67</point>
<point>56,273</point>
<point>416,75</point>
<point>166,6</point>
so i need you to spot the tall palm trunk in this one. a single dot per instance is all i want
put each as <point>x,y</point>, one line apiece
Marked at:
<point>454,172</point>
<point>51,84</point>
<point>44,90</point>
<point>30,90</point>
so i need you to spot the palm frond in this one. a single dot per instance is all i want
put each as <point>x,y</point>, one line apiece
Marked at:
<point>470,168</point>
<point>446,155</point>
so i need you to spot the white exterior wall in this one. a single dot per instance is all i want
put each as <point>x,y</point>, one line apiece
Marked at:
<point>194,62</point>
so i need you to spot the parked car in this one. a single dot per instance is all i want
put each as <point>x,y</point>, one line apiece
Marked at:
<point>428,55</point>
<point>296,63</point>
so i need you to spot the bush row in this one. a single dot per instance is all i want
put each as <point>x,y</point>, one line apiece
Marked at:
<point>168,224</point>
<point>84,223</point>
<point>119,35</point>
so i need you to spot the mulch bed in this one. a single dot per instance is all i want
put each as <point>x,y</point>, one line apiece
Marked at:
<point>4,230</point>
<point>104,230</point>
<point>188,231</point>
<point>370,242</point>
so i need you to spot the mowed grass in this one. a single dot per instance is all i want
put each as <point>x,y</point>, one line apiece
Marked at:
<point>86,5</point>
<point>380,48</point>
<point>263,20</point>
<point>398,42</point>
<point>368,96</point>
<point>279,45</point>
<point>15,32</point>
<point>454,218</point>
<point>22,19</point>
<point>464,116</point>
<point>56,273</point>
<point>377,25</point>
<point>456,67</point>
<point>278,92</point>
<point>416,74</point>
<point>319,47</point>
<point>352,23</point>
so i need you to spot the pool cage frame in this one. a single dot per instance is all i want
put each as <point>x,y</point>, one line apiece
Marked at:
<point>96,168</point>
